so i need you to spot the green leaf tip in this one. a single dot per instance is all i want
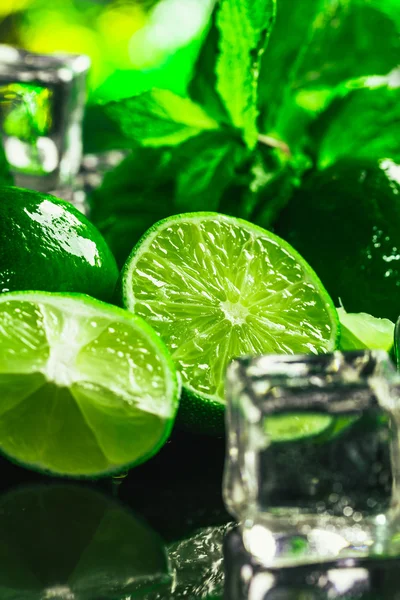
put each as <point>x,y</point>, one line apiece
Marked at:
<point>159,118</point>
<point>244,27</point>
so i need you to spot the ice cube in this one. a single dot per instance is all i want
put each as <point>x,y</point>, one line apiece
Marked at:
<point>42,100</point>
<point>312,468</point>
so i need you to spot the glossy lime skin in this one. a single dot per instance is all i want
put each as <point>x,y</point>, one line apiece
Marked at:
<point>345,221</point>
<point>48,245</point>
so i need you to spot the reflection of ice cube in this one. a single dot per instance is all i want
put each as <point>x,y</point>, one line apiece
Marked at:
<point>197,565</point>
<point>312,470</point>
<point>42,99</point>
<point>246,579</point>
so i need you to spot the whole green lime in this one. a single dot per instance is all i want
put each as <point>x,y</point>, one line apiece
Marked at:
<point>345,221</point>
<point>48,245</point>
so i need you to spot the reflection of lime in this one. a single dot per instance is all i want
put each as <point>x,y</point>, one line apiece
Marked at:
<point>86,388</point>
<point>216,287</point>
<point>290,428</point>
<point>303,426</point>
<point>71,542</point>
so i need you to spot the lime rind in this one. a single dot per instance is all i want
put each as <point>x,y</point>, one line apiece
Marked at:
<point>79,306</point>
<point>132,268</point>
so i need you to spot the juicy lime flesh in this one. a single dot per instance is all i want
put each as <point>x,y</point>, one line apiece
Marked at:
<point>216,288</point>
<point>82,391</point>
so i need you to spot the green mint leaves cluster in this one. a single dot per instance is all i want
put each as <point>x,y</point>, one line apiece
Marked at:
<point>279,87</point>
<point>161,118</point>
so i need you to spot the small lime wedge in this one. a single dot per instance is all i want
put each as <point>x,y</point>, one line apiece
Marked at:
<point>86,389</point>
<point>215,288</point>
<point>361,330</point>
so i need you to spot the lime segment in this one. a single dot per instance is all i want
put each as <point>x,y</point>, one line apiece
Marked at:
<point>86,389</point>
<point>215,288</point>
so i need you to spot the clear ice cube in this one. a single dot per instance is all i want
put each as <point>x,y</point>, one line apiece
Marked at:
<point>42,100</point>
<point>312,468</point>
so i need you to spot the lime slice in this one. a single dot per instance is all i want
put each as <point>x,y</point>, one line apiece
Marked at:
<point>86,389</point>
<point>290,428</point>
<point>361,330</point>
<point>215,288</point>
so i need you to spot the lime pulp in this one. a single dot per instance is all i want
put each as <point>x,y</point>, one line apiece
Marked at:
<point>216,287</point>
<point>87,389</point>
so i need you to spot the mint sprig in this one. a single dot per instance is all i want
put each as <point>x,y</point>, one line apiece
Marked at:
<point>271,96</point>
<point>159,118</point>
<point>208,169</point>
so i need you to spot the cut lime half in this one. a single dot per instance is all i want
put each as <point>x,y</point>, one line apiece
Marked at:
<point>215,288</point>
<point>86,389</point>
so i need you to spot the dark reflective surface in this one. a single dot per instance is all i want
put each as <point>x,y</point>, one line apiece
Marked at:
<point>68,541</point>
<point>156,534</point>
<point>110,540</point>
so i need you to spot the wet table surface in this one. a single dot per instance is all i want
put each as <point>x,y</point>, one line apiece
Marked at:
<point>156,534</point>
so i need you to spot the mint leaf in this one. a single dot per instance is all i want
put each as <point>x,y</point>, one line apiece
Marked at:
<point>203,84</point>
<point>262,186</point>
<point>316,51</point>
<point>343,46</point>
<point>244,27</point>
<point>153,183</point>
<point>361,330</point>
<point>158,118</point>
<point>364,124</point>
<point>132,197</point>
<point>271,188</point>
<point>108,136</point>
<point>389,7</point>
<point>208,172</point>
<point>291,33</point>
